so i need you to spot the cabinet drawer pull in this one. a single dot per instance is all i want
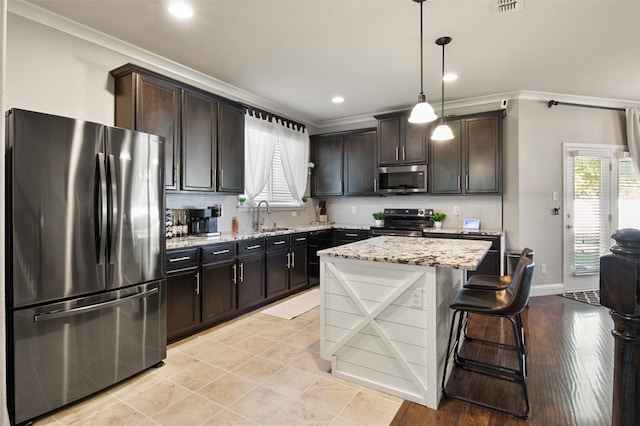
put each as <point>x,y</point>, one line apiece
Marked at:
<point>253,247</point>
<point>197,282</point>
<point>221,251</point>
<point>350,235</point>
<point>179,259</point>
<point>301,239</point>
<point>277,243</point>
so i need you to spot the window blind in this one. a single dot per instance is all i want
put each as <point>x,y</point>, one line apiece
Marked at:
<point>628,195</point>
<point>277,190</point>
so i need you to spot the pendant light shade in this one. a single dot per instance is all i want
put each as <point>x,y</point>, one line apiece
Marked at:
<point>442,132</point>
<point>422,112</point>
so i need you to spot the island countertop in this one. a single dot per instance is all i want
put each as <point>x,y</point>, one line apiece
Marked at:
<point>437,252</point>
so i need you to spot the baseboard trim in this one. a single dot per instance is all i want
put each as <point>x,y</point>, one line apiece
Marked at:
<point>547,289</point>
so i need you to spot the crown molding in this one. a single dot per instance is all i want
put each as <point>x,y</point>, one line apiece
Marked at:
<point>151,60</point>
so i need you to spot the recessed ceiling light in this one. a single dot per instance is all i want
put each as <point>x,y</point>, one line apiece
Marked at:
<point>181,10</point>
<point>450,77</point>
<point>337,99</point>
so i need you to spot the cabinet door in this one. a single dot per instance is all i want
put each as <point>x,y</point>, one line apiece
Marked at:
<point>414,149</point>
<point>445,166</point>
<point>277,273</point>
<point>183,303</point>
<point>218,290</point>
<point>230,148</point>
<point>388,140</point>
<point>298,272</point>
<point>360,163</point>
<point>326,154</point>
<point>483,155</point>
<point>198,142</point>
<point>251,288</point>
<point>158,112</point>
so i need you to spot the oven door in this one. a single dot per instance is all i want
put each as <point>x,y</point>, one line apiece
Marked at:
<point>377,231</point>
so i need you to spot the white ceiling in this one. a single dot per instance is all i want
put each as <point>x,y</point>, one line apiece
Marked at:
<point>300,53</point>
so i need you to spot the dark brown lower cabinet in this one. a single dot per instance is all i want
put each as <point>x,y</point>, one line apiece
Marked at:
<point>218,291</point>
<point>287,267</point>
<point>183,299</point>
<point>250,273</point>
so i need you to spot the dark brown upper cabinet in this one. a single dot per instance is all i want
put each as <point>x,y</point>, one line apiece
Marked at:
<point>401,142</point>
<point>345,163</point>
<point>204,133</point>
<point>471,163</point>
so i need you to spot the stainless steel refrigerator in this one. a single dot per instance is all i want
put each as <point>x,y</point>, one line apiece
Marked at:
<point>86,292</point>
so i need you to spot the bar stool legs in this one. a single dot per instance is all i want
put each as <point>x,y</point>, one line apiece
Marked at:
<point>458,324</point>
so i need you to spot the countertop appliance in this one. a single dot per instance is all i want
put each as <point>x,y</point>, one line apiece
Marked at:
<point>204,222</point>
<point>404,222</point>
<point>86,291</point>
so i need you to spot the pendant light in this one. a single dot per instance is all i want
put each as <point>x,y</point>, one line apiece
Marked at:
<point>422,112</point>
<point>442,132</point>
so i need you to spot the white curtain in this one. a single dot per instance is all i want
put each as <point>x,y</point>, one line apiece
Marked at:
<point>294,151</point>
<point>633,136</point>
<point>260,142</point>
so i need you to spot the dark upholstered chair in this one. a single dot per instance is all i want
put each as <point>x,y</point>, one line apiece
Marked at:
<point>506,304</point>
<point>495,282</point>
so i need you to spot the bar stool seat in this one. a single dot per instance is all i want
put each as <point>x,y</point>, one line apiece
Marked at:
<point>507,304</point>
<point>494,282</point>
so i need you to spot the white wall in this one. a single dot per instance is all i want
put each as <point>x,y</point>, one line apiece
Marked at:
<point>541,133</point>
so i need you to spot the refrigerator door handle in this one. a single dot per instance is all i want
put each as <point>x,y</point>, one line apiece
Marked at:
<point>47,316</point>
<point>113,222</point>
<point>101,208</point>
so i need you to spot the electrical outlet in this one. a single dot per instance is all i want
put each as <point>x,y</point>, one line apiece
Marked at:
<point>543,268</point>
<point>456,210</point>
<point>294,214</point>
<point>415,300</point>
<point>353,209</point>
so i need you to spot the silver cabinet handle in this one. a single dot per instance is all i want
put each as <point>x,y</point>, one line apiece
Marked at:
<point>241,273</point>
<point>288,260</point>
<point>466,182</point>
<point>197,282</point>
<point>234,276</point>
<point>301,239</point>
<point>253,247</point>
<point>350,235</point>
<point>458,181</point>
<point>397,153</point>
<point>404,154</point>
<point>277,243</point>
<point>221,178</point>
<point>375,185</point>
<point>293,259</point>
<point>179,259</point>
<point>221,251</point>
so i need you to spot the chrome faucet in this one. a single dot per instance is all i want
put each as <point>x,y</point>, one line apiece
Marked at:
<point>258,223</point>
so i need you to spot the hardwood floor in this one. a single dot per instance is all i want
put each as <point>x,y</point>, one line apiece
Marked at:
<point>570,371</point>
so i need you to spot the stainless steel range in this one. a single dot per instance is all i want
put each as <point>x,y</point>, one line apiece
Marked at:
<point>404,222</point>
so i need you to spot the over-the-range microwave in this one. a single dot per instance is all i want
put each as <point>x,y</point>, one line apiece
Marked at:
<point>402,179</point>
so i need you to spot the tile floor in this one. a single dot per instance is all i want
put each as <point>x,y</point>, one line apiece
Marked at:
<point>254,370</point>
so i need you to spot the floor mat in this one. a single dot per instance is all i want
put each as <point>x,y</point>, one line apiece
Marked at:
<point>296,306</point>
<point>591,297</point>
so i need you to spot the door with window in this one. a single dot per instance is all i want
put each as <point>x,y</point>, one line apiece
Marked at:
<point>602,194</point>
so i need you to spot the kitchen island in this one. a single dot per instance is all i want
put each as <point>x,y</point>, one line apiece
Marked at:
<point>384,310</point>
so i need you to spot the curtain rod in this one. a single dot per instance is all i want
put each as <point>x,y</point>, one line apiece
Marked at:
<point>269,115</point>
<point>554,103</point>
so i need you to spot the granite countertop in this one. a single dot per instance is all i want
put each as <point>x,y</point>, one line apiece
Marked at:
<point>442,252</point>
<point>195,241</point>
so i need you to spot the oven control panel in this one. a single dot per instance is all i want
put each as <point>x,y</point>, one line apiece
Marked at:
<point>408,213</point>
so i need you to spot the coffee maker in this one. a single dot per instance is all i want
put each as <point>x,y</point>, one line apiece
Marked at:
<point>204,222</point>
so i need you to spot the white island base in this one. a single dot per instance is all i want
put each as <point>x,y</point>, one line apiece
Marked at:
<point>386,325</point>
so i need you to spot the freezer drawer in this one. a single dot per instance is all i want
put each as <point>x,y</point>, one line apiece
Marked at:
<point>68,350</point>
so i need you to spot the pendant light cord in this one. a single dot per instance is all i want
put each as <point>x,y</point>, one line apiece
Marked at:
<point>444,120</point>
<point>421,54</point>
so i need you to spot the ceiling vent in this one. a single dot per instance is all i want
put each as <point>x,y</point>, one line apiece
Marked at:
<point>505,6</point>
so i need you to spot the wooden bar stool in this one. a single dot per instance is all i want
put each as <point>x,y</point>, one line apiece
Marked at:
<point>507,304</point>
